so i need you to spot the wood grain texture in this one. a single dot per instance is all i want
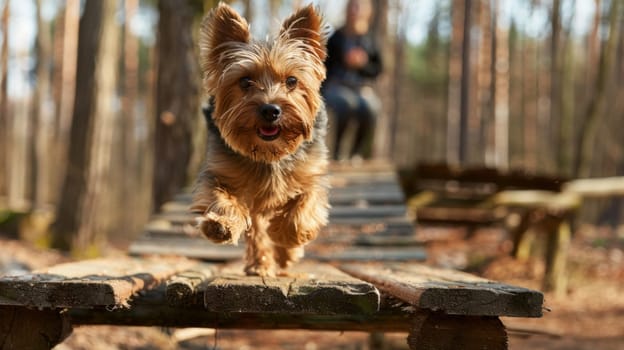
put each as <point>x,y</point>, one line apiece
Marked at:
<point>310,289</point>
<point>152,309</point>
<point>191,247</point>
<point>372,254</point>
<point>184,288</point>
<point>17,325</point>
<point>435,331</point>
<point>448,291</point>
<point>100,282</point>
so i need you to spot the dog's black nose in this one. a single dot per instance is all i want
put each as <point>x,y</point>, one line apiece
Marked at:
<point>270,112</point>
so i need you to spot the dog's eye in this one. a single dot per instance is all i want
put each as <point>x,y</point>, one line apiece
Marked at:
<point>291,82</point>
<point>245,83</point>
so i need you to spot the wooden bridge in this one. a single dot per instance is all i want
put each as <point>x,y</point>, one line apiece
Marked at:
<point>364,273</point>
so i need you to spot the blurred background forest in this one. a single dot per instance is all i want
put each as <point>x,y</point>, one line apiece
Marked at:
<point>100,101</point>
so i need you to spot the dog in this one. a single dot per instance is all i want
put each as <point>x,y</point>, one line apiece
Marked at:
<point>265,173</point>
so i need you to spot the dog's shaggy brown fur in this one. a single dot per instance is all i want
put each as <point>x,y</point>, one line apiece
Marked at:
<point>265,172</point>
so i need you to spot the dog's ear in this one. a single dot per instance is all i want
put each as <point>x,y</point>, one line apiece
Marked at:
<point>307,25</point>
<point>221,30</point>
<point>223,24</point>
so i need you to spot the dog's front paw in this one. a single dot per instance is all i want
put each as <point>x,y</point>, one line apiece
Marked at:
<point>219,229</point>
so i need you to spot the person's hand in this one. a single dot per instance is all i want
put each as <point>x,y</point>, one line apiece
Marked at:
<point>356,58</point>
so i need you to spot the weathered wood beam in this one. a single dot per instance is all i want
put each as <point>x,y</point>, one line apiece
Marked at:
<point>153,309</point>
<point>373,254</point>
<point>554,201</point>
<point>310,288</point>
<point>183,288</point>
<point>448,291</point>
<point>108,282</point>
<point>557,246</point>
<point>437,331</point>
<point>598,187</point>
<point>190,247</point>
<point>22,328</point>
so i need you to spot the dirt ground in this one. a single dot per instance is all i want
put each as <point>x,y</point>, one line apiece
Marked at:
<point>589,317</point>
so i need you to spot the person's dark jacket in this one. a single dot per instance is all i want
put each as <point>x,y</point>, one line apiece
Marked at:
<point>337,71</point>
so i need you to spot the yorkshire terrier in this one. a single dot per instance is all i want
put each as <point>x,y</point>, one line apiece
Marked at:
<point>265,175</point>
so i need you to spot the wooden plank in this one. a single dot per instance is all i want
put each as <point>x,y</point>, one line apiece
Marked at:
<point>557,246</point>
<point>365,197</point>
<point>373,254</point>
<point>597,187</point>
<point>349,233</point>
<point>368,166</point>
<point>468,216</point>
<point>564,201</point>
<point>389,240</point>
<point>362,197</point>
<point>190,247</point>
<point>369,185</point>
<point>369,212</point>
<point>514,179</point>
<point>172,232</point>
<point>312,289</point>
<point>108,282</point>
<point>435,331</point>
<point>449,291</point>
<point>152,309</point>
<point>338,214</point>
<point>338,181</point>
<point>355,221</point>
<point>176,206</point>
<point>23,328</point>
<point>384,193</point>
<point>182,289</point>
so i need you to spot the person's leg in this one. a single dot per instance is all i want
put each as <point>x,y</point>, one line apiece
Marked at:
<point>365,125</point>
<point>342,102</point>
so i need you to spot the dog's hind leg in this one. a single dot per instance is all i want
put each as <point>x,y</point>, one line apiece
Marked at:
<point>300,220</point>
<point>285,257</point>
<point>259,257</point>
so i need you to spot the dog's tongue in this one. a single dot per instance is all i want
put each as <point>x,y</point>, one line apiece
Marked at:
<point>269,130</point>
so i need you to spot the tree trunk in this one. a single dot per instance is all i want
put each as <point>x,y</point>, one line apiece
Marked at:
<point>501,92</point>
<point>589,123</point>
<point>18,139</point>
<point>454,83</point>
<point>100,209</point>
<point>464,107</point>
<point>127,176</point>
<point>66,48</point>
<point>483,107</point>
<point>567,100</point>
<point>40,119</point>
<point>4,100</point>
<point>176,100</point>
<point>70,210</point>
<point>593,48</point>
<point>555,83</point>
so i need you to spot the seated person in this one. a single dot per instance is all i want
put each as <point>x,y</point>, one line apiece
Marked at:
<point>353,61</point>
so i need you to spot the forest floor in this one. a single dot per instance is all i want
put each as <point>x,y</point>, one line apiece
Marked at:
<point>590,316</point>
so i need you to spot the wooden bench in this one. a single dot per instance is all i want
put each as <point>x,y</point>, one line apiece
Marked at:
<point>362,274</point>
<point>516,201</point>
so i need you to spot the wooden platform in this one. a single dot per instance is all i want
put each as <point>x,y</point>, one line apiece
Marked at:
<point>516,201</point>
<point>363,274</point>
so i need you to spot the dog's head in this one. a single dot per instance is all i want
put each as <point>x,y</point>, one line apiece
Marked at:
<point>267,94</point>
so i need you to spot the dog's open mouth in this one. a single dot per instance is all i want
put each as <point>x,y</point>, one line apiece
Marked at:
<point>269,133</point>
